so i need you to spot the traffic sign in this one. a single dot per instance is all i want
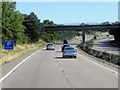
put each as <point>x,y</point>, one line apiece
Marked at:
<point>9,45</point>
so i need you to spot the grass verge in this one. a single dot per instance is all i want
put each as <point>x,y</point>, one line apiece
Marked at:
<point>19,50</point>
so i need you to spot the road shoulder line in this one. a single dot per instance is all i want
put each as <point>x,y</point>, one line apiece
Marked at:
<point>98,64</point>
<point>4,77</point>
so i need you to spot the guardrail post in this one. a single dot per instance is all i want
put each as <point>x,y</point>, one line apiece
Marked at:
<point>83,36</point>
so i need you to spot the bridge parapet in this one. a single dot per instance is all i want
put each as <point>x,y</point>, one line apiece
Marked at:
<point>80,27</point>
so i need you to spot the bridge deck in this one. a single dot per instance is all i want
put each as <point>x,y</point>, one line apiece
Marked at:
<point>79,27</point>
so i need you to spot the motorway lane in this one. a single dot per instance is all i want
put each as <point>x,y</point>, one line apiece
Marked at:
<point>41,70</point>
<point>81,73</point>
<point>47,69</point>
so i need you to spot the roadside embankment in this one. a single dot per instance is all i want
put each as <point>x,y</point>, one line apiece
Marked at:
<point>98,35</point>
<point>104,56</point>
<point>19,50</point>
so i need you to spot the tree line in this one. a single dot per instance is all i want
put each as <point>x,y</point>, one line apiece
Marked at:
<point>23,28</point>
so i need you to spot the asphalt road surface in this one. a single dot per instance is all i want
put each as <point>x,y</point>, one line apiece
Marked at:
<point>47,69</point>
<point>104,45</point>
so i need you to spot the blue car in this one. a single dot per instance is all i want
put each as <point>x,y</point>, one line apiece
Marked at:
<point>69,52</point>
<point>65,45</point>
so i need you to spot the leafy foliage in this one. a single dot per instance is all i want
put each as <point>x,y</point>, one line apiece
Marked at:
<point>87,47</point>
<point>23,28</point>
<point>33,27</point>
<point>12,27</point>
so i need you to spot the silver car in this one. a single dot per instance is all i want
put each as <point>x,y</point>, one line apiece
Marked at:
<point>50,46</point>
<point>69,52</point>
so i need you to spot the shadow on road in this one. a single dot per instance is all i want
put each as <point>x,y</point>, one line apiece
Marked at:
<point>58,51</point>
<point>46,50</point>
<point>63,58</point>
<point>59,58</point>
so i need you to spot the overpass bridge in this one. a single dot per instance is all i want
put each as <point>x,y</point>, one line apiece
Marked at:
<point>82,28</point>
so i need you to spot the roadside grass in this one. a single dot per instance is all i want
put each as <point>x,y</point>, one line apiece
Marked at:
<point>19,50</point>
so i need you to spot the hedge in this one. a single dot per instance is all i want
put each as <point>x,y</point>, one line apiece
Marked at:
<point>112,58</point>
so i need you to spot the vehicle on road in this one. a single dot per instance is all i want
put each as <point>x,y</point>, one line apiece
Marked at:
<point>50,46</point>
<point>64,45</point>
<point>65,41</point>
<point>69,52</point>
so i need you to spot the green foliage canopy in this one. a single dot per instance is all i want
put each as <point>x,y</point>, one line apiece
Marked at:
<point>33,27</point>
<point>12,28</point>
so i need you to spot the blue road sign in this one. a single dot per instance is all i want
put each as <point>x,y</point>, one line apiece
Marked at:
<point>9,45</point>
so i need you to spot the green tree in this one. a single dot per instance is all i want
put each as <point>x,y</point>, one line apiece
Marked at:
<point>17,28</point>
<point>12,27</point>
<point>7,8</point>
<point>33,27</point>
<point>48,36</point>
<point>48,22</point>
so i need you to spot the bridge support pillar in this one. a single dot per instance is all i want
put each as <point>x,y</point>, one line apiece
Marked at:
<point>83,36</point>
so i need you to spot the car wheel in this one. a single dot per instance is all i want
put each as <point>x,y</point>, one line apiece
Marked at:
<point>75,56</point>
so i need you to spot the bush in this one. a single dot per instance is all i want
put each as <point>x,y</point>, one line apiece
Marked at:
<point>102,55</point>
<point>118,62</point>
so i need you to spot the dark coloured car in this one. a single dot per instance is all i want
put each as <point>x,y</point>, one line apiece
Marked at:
<point>65,41</point>
<point>64,45</point>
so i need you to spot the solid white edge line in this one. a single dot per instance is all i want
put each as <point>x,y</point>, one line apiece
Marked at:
<point>98,64</point>
<point>4,77</point>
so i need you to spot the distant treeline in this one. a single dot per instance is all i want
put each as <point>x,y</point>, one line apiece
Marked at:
<point>23,28</point>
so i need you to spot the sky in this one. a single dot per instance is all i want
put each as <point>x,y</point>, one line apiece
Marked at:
<point>71,12</point>
<point>119,11</point>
